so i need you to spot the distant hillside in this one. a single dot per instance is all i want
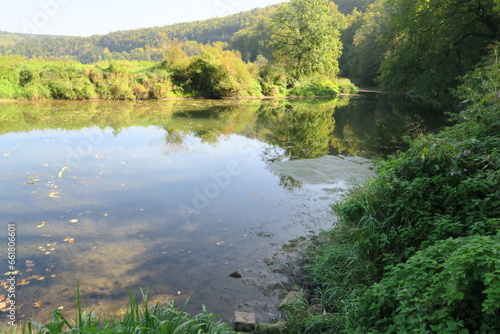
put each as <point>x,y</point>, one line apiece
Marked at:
<point>149,43</point>
<point>137,44</point>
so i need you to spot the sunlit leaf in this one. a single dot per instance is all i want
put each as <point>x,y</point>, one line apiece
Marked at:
<point>41,224</point>
<point>11,273</point>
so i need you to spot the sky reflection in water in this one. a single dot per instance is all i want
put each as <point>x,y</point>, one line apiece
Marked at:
<point>170,195</point>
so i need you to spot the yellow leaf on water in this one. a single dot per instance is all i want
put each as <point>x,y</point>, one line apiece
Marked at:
<point>11,273</point>
<point>41,224</point>
<point>37,304</point>
<point>73,221</point>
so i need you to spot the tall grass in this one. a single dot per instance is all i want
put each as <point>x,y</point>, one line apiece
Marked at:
<point>139,318</point>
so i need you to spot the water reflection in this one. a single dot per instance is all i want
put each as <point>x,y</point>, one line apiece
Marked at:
<point>373,125</point>
<point>170,194</point>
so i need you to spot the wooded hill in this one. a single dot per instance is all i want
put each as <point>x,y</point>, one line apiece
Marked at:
<point>137,44</point>
<point>416,47</point>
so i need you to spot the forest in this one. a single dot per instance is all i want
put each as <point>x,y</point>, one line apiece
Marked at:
<point>419,48</point>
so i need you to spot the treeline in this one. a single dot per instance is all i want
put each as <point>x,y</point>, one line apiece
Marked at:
<point>139,44</point>
<point>304,52</point>
<point>416,47</point>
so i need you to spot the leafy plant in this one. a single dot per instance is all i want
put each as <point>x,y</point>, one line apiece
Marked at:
<point>451,286</point>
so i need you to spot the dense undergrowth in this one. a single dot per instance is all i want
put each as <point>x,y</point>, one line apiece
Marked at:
<point>417,248</point>
<point>210,73</point>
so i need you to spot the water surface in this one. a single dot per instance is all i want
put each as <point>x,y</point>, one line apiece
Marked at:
<point>176,195</point>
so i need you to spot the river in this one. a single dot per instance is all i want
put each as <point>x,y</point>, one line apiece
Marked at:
<point>176,195</point>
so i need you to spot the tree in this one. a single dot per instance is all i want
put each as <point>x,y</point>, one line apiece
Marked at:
<point>430,43</point>
<point>366,51</point>
<point>306,37</point>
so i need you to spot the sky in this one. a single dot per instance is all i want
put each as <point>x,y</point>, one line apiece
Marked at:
<point>91,17</point>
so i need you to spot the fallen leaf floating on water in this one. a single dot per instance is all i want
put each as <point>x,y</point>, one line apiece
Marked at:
<point>41,224</point>
<point>54,195</point>
<point>69,239</point>
<point>62,170</point>
<point>6,154</point>
<point>24,282</point>
<point>38,277</point>
<point>73,221</point>
<point>46,235</point>
<point>29,263</point>
<point>60,307</point>
<point>37,304</point>
<point>11,273</point>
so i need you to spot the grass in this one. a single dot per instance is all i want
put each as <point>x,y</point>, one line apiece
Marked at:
<point>139,318</point>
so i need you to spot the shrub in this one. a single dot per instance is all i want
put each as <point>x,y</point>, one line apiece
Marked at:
<point>450,287</point>
<point>8,90</point>
<point>217,74</point>
<point>322,86</point>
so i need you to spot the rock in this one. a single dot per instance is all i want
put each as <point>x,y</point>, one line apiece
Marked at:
<point>244,321</point>
<point>235,274</point>
<point>278,327</point>
<point>292,298</point>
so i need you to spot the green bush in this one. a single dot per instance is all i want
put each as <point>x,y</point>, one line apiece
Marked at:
<point>419,242</point>
<point>450,287</point>
<point>8,90</point>
<point>322,86</point>
<point>272,79</point>
<point>218,74</point>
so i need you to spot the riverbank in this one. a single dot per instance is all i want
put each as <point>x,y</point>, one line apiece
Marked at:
<point>415,248</point>
<point>214,74</point>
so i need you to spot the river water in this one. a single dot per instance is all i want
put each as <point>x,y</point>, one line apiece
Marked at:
<point>176,195</point>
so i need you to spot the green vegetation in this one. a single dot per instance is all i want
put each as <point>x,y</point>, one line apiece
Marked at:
<point>305,37</point>
<point>416,248</point>
<point>161,318</point>
<point>415,47</point>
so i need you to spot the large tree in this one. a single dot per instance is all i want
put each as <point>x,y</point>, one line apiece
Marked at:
<point>430,43</point>
<point>306,37</point>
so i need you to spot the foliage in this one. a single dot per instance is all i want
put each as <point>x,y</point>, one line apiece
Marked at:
<point>139,44</point>
<point>163,317</point>
<point>416,248</point>
<point>366,52</point>
<point>451,286</point>
<point>305,37</point>
<point>302,127</point>
<point>430,43</point>
<point>321,86</point>
<point>272,79</point>
<point>253,41</point>
<point>217,73</point>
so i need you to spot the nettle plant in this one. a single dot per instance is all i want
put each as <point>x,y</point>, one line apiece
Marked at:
<point>450,287</point>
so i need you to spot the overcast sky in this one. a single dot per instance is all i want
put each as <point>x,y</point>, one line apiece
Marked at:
<point>90,17</point>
